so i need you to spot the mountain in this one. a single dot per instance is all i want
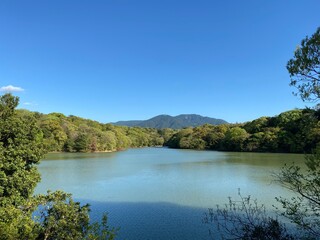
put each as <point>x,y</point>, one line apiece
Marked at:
<point>166,121</point>
<point>130,123</point>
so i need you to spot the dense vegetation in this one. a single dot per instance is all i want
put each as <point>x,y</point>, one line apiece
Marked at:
<point>75,134</point>
<point>294,131</point>
<point>177,122</point>
<point>23,215</point>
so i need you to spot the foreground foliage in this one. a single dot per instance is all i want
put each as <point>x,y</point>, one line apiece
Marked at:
<point>22,215</point>
<point>304,68</point>
<point>246,219</point>
<point>303,209</point>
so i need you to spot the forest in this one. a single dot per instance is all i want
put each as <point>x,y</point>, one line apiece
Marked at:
<point>295,131</point>
<point>75,134</point>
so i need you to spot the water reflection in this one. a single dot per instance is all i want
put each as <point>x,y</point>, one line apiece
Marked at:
<point>158,188</point>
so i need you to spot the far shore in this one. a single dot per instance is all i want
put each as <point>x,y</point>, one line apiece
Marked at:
<point>109,151</point>
<point>106,151</point>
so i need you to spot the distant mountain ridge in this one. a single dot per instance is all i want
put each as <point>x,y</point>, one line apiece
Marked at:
<point>176,122</point>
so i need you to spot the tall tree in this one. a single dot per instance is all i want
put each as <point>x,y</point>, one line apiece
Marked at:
<point>21,148</point>
<point>304,68</point>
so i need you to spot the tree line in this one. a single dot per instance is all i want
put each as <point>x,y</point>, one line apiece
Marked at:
<point>74,134</point>
<point>295,131</point>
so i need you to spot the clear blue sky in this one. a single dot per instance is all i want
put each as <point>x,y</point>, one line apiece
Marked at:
<point>123,59</point>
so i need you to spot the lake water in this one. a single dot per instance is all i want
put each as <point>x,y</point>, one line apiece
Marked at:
<point>161,193</point>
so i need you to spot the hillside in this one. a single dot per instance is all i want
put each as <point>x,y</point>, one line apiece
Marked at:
<point>177,122</point>
<point>294,131</point>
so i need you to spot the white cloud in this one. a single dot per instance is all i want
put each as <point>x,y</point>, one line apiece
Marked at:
<point>30,104</point>
<point>11,88</point>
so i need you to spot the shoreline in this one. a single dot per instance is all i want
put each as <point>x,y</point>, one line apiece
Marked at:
<point>124,149</point>
<point>108,151</point>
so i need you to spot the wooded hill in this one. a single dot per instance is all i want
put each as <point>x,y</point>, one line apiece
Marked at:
<point>75,134</point>
<point>296,131</point>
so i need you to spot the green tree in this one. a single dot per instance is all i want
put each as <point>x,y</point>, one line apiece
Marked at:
<point>235,139</point>
<point>54,135</point>
<point>215,137</point>
<point>270,141</point>
<point>257,125</point>
<point>304,68</point>
<point>254,142</point>
<point>81,143</point>
<point>109,141</point>
<point>174,141</point>
<point>303,209</point>
<point>60,217</point>
<point>123,141</point>
<point>21,148</point>
<point>166,134</point>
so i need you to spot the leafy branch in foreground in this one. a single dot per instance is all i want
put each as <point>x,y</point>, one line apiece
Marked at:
<point>303,209</point>
<point>60,217</point>
<point>244,219</point>
<point>304,68</point>
<point>22,215</point>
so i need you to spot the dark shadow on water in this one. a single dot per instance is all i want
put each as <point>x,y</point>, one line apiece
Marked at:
<point>157,221</point>
<point>152,221</point>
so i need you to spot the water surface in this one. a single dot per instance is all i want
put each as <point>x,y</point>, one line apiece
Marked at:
<point>160,193</point>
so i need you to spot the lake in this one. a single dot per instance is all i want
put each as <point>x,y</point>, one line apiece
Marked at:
<point>161,193</point>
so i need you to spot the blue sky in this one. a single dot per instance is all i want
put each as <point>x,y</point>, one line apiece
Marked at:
<point>123,59</point>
